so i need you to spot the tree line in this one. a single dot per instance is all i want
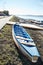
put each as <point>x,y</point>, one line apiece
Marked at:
<point>5,12</point>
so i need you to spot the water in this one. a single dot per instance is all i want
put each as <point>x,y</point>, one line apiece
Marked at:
<point>39,18</point>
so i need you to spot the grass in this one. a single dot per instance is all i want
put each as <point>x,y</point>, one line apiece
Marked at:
<point>14,19</point>
<point>8,51</point>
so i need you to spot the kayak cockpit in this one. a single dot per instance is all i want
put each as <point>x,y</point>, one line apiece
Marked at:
<point>25,41</point>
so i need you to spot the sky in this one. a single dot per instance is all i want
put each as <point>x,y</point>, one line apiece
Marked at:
<point>22,7</point>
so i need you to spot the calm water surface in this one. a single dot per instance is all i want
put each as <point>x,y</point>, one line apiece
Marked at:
<point>39,18</point>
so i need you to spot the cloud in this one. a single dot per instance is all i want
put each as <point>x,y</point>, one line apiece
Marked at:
<point>20,11</point>
<point>25,12</point>
<point>17,11</point>
<point>1,9</point>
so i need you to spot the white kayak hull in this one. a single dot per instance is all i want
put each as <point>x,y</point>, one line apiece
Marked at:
<point>31,58</point>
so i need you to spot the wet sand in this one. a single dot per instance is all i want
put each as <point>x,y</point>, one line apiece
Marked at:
<point>9,53</point>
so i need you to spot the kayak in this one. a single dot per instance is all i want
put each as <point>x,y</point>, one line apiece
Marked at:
<point>25,43</point>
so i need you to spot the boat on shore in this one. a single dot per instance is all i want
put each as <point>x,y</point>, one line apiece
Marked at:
<point>25,43</point>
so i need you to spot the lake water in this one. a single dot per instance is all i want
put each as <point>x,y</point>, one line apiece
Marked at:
<point>39,18</point>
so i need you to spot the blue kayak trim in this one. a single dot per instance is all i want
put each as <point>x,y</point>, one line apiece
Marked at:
<point>25,47</point>
<point>20,32</point>
<point>22,45</point>
<point>31,50</point>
